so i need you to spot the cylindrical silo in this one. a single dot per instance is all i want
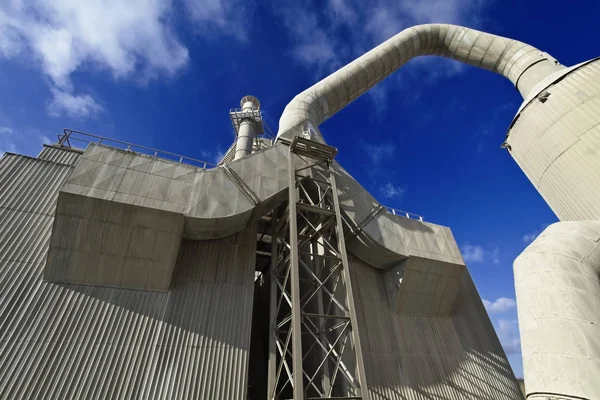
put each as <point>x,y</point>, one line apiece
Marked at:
<point>558,288</point>
<point>555,139</point>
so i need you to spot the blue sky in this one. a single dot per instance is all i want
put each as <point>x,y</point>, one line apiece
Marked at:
<point>426,140</point>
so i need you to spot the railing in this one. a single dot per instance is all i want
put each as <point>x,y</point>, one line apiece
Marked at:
<point>404,214</point>
<point>69,135</point>
<point>237,115</point>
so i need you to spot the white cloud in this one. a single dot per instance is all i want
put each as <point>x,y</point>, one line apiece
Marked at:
<point>312,44</point>
<point>443,11</point>
<point>378,95</point>
<point>379,153</point>
<point>342,12</point>
<point>472,253</point>
<point>130,39</point>
<point>7,144</point>
<point>480,254</point>
<point>7,147</point>
<point>74,106</point>
<point>212,156</point>
<point>508,333</point>
<point>9,40</point>
<point>383,22</point>
<point>391,191</point>
<point>119,36</point>
<point>231,17</point>
<point>500,305</point>
<point>496,256</point>
<point>531,236</point>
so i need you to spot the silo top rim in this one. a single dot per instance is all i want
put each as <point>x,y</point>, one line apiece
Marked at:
<point>251,99</point>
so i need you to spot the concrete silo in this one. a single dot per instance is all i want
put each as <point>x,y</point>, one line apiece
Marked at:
<point>128,272</point>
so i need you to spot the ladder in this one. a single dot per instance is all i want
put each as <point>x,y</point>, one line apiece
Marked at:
<point>314,346</point>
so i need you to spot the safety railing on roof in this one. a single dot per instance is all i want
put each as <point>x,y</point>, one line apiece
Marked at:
<point>404,214</point>
<point>69,135</point>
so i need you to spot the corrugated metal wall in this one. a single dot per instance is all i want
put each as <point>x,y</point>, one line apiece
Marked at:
<point>418,357</point>
<point>60,341</point>
<point>59,155</point>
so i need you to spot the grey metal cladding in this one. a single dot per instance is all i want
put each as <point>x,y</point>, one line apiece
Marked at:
<point>415,357</point>
<point>64,341</point>
<point>60,155</point>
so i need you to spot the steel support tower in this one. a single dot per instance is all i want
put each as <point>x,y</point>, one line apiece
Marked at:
<point>314,344</point>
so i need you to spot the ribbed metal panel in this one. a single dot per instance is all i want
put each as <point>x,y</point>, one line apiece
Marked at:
<point>557,144</point>
<point>419,357</point>
<point>61,341</point>
<point>60,155</point>
<point>30,185</point>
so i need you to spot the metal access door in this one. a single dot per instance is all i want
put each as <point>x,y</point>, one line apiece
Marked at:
<point>314,344</point>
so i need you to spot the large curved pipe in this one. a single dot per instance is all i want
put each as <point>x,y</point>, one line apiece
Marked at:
<point>521,63</point>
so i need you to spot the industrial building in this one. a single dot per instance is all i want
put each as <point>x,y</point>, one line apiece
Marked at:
<point>132,273</point>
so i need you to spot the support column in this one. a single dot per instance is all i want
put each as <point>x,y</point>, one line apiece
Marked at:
<point>314,320</point>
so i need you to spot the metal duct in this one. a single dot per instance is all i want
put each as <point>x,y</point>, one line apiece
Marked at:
<point>521,63</point>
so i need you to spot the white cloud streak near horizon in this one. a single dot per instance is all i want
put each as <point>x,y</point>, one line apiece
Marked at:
<point>7,144</point>
<point>472,253</point>
<point>500,305</point>
<point>391,191</point>
<point>508,333</point>
<point>480,254</point>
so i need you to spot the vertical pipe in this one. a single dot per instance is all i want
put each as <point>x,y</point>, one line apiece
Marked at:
<point>247,129</point>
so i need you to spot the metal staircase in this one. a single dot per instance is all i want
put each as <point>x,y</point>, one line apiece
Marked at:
<point>314,349</point>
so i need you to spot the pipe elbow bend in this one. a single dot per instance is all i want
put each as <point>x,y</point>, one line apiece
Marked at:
<point>304,113</point>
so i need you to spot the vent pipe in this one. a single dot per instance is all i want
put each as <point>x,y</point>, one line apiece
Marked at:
<point>522,64</point>
<point>247,128</point>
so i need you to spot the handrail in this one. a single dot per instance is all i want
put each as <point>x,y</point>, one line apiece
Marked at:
<point>404,214</point>
<point>67,136</point>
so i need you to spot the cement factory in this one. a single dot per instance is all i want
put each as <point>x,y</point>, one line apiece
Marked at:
<point>128,272</point>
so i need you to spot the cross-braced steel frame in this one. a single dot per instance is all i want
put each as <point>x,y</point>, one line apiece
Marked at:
<point>315,348</point>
